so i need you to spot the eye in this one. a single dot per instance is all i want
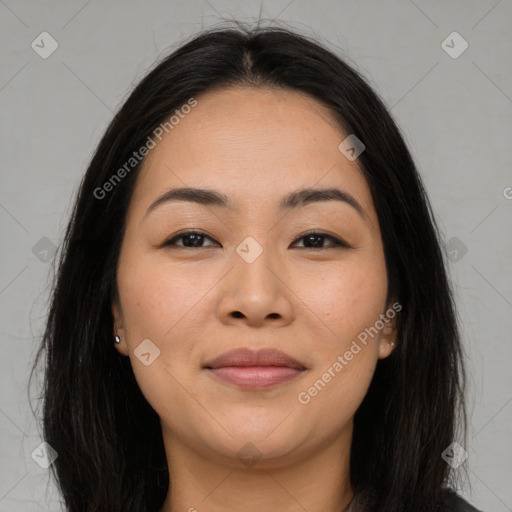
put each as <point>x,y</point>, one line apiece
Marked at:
<point>191,239</point>
<point>313,240</point>
<point>195,239</point>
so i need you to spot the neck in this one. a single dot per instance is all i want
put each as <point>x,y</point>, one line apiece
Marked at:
<point>316,482</point>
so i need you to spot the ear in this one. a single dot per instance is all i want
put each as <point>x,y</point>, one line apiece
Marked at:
<point>389,334</point>
<point>122,346</point>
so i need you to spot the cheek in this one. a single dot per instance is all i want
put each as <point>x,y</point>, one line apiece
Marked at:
<point>163,302</point>
<point>349,302</point>
<point>158,296</point>
<point>158,304</point>
<point>333,397</point>
<point>347,297</point>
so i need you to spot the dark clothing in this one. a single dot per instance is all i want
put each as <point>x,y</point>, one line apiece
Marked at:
<point>455,503</point>
<point>451,502</point>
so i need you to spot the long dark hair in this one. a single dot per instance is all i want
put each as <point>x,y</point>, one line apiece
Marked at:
<point>108,438</point>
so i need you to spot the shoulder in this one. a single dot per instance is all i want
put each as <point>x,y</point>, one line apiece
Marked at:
<point>452,502</point>
<point>449,501</point>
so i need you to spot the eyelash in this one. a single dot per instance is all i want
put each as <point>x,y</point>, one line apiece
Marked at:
<point>335,242</point>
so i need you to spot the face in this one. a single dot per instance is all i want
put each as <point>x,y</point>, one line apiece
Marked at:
<point>253,277</point>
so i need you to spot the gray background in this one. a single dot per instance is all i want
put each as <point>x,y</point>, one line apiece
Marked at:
<point>454,113</point>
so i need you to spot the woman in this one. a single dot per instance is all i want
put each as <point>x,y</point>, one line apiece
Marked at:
<point>251,308</point>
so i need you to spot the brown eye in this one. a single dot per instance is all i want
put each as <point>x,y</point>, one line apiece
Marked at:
<point>195,240</point>
<point>315,240</point>
<point>191,240</point>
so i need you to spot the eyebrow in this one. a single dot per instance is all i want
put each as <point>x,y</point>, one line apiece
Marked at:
<point>210,197</point>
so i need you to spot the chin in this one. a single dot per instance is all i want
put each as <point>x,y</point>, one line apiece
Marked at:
<point>260,444</point>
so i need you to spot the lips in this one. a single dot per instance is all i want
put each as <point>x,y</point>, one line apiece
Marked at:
<point>254,369</point>
<point>246,357</point>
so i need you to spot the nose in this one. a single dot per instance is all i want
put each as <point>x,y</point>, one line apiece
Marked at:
<point>256,293</point>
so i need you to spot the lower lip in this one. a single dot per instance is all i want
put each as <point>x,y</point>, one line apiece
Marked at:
<point>255,377</point>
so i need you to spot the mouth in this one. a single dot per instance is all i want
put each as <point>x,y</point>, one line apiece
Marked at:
<point>259,369</point>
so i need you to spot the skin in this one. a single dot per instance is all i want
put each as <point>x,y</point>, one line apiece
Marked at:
<point>255,146</point>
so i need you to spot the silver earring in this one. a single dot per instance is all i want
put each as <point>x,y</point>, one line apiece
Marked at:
<point>117,339</point>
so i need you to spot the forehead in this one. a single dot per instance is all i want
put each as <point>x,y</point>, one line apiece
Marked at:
<point>256,145</point>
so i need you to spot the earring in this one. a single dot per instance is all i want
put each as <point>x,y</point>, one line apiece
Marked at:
<point>117,339</point>
<point>392,344</point>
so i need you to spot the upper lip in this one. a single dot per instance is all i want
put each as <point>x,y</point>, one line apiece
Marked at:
<point>260,357</point>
